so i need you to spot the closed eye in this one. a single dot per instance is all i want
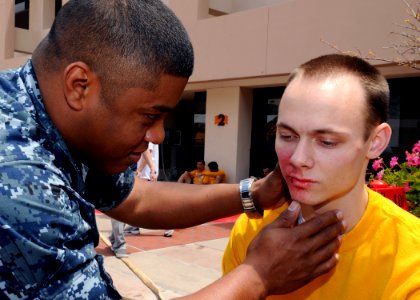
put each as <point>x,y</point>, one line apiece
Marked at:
<point>288,136</point>
<point>328,143</point>
<point>153,117</point>
<point>286,133</point>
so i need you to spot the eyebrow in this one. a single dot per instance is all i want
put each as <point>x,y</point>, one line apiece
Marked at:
<point>284,125</point>
<point>163,108</point>
<point>318,131</point>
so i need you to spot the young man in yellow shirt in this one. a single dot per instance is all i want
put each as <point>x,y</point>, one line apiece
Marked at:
<point>331,122</point>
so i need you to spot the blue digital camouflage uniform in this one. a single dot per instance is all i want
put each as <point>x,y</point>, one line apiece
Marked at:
<point>47,219</point>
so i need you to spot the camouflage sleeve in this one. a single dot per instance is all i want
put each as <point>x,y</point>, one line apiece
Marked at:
<point>47,236</point>
<point>108,191</point>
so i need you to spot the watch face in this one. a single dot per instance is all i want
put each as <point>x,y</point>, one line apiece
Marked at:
<point>246,199</point>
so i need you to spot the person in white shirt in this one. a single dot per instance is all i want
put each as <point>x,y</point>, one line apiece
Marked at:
<point>148,169</point>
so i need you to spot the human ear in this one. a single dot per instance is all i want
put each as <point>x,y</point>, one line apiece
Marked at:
<point>379,140</point>
<point>76,80</point>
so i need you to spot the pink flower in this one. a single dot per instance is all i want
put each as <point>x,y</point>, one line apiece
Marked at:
<point>413,159</point>
<point>380,174</point>
<point>416,147</point>
<point>377,164</point>
<point>393,162</point>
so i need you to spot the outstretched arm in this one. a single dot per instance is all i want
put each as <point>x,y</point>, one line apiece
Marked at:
<point>174,205</point>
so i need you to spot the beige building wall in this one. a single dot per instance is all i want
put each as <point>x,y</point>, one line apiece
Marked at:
<point>17,42</point>
<point>236,52</point>
<point>230,144</point>
<point>259,47</point>
<point>41,17</point>
<point>7,37</point>
<point>272,40</point>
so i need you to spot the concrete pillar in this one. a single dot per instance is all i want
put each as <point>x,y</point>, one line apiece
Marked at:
<point>230,144</point>
<point>189,11</point>
<point>7,29</point>
<point>41,14</point>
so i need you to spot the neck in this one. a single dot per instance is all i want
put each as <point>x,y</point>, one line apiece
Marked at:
<point>353,205</point>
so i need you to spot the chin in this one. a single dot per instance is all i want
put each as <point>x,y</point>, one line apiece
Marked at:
<point>117,170</point>
<point>305,198</point>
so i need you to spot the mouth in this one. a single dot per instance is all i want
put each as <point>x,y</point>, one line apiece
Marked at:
<point>301,183</point>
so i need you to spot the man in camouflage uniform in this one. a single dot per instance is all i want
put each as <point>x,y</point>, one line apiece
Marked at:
<point>72,121</point>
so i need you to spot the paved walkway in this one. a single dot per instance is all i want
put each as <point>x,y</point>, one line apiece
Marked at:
<point>177,266</point>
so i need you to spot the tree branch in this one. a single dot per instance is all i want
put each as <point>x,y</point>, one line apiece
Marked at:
<point>410,47</point>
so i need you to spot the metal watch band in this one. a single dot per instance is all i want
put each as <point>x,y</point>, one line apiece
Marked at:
<point>248,204</point>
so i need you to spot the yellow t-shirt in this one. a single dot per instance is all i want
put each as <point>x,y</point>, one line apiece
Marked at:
<point>212,176</point>
<point>379,257</point>
<point>199,177</point>
<point>206,176</point>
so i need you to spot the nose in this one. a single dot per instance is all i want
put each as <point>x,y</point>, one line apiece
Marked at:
<point>301,156</point>
<point>156,133</point>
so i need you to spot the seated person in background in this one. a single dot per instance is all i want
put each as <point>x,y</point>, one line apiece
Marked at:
<point>331,122</point>
<point>214,174</point>
<point>196,175</point>
<point>203,176</point>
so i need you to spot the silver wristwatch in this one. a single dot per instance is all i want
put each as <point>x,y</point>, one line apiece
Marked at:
<point>248,204</point>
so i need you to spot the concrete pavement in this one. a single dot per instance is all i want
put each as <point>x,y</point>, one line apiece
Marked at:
<point>176,266</point>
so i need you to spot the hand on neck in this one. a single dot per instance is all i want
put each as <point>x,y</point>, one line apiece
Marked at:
<point>353,206</point>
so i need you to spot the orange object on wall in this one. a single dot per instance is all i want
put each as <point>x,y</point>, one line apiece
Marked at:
<point>395,194</point>
<point>221,120</point>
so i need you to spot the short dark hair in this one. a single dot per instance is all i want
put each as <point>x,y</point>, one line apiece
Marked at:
<point>127,43</point>
<point>373,82</point>
<point>213,166</point>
